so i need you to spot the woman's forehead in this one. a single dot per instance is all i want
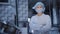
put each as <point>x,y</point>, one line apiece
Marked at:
<point>39,6</point>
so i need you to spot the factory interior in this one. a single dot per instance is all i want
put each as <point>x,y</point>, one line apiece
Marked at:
<point>15,15</point>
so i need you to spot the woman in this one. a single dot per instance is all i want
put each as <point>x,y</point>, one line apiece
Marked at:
<point>40,23</point>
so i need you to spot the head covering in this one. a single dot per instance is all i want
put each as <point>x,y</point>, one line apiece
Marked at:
<point>38,3</point>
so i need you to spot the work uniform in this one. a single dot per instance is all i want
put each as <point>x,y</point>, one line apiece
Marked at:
<point>40,24</point>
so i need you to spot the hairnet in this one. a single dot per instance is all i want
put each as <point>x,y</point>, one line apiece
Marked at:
<point>38,3</point>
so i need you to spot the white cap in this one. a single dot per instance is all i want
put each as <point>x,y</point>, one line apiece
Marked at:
<point>38,3</point>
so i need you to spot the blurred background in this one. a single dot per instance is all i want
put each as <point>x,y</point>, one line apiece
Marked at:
<point>15,15</point>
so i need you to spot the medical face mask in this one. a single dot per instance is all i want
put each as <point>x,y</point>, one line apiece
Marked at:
<point>39,10</point>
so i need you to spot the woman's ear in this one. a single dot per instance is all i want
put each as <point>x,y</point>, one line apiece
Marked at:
<point>44,9</point>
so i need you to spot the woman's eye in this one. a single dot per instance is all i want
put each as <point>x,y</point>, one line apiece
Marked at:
<point>39,7</point>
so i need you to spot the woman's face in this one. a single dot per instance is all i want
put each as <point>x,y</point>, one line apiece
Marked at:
<point>39,7</point>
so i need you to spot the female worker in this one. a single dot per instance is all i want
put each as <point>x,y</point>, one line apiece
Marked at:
<point>40,23</point>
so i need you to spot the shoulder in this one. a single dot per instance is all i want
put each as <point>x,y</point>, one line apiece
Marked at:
<point>33,17</point>
<point>47,16</point>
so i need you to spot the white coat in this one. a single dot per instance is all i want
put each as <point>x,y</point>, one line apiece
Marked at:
<point>42,23</point>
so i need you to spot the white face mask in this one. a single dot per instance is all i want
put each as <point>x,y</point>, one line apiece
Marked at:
<point>39,10</point>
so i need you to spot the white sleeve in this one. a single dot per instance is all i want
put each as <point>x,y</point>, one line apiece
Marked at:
<point>48,24</point>
<point>31,24</point>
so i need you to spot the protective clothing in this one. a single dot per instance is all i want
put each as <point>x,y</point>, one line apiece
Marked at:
<point>41,23</point>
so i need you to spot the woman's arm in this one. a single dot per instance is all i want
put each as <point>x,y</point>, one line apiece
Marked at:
<point>47,26</point>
